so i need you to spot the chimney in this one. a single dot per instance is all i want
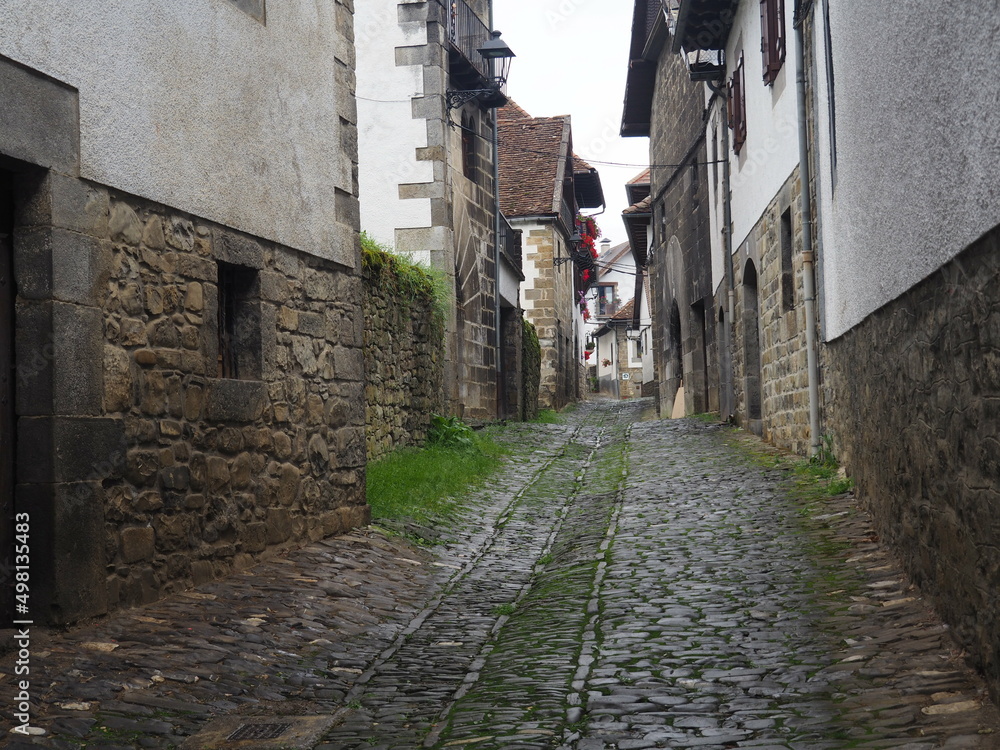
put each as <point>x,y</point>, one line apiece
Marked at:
<point>605,245</point>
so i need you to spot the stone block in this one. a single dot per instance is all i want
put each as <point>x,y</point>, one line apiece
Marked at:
<point>254,537</point>
<point>279,525</point>
<point>118,381</point>
<point>235,400</point>
<point>124,225</point>
<point>349,363</point>
<point>176,478</point>
<point>67,449</point>
<point>138,544</point>
<point>66,202</point>
<point>201,572</point>
<point>67,535</point>
<point>39,122</point>
<point>237,249</point>
<point>54,263</point>
<point>179,233</point>
<point>78,374</point>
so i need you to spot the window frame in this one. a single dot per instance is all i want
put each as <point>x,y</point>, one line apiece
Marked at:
<point>772,38</point>
<point>736,104</point>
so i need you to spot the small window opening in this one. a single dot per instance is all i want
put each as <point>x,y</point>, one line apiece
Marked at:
<point>238,323</point>
<point>787,272</point>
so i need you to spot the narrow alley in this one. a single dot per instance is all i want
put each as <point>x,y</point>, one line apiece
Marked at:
<point>625,582</point>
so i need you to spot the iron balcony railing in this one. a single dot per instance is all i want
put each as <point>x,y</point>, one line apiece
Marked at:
<point>467,33</point>
<point>510,243</point>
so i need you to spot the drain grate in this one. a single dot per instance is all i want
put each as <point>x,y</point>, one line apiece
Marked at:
<point>258,732</point>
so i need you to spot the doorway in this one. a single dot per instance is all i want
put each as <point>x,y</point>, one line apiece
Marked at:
<point>7,384</point>
<point>751,345</point>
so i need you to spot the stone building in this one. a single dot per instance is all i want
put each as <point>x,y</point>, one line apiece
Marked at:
<point>181,327</point>
<point>618,355</point>
<point>899,233</point>
<point>908,241</point>
<point>668,221</point>
<point>617,277</point>
<point>428,178</point>
<point>741,58</point>
<point>542,188</point>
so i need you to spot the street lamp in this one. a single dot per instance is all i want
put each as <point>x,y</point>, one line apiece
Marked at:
<point>498,55</point>
<point>574,243</point>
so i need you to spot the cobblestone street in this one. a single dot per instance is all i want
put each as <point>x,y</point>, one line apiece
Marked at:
<point>624,583</point>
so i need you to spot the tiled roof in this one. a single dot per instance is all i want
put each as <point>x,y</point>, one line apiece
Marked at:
<point>642,207</point>
<point>531,151</point>
<point>625,312</point>
<point>640,179</point>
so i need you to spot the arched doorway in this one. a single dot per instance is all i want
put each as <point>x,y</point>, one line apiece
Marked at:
<point>751,345</point>
<point>675,359</point>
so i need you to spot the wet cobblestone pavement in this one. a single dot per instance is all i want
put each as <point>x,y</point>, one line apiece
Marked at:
<point>622,584</point>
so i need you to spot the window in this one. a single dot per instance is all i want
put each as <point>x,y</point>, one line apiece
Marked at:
<point>772,32</point>
<point>238,323</point>
<point>606,303</point>
<point>787,274</point>
<point>737,104</point>
<point>468,147</point>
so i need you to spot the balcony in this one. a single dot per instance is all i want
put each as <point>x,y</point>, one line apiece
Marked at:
<point>510,245</point>
<point>466,34</point>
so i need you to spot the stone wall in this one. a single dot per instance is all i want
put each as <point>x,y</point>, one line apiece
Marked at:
<point>549,306</point>
<point>213,470</point>
<point>779,411</point>
<point>404,361</point>
<point>221,468</point>
<point>531,362</point>
<point>915,392</point>
<point>680,265</point>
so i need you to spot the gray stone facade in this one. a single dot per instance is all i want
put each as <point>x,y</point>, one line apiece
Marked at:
<point>769,336</point>
<point>915,393</point>
<point>186,396</point>
<point>460,236</point>
<point>682,305</point>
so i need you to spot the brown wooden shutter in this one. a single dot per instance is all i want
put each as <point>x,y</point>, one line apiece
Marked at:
<point>765,37</point>
<point>772,32</point>
<point>737,106</point>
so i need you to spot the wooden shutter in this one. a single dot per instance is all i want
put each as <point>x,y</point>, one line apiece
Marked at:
<point>772,37</point>
<point>737,105</point>
<point>765,37</point>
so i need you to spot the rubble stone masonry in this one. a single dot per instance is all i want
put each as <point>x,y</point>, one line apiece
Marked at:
<point>205,472</point>
<point>404,367</point>
<point>784,383</point>
<point>916,419</point>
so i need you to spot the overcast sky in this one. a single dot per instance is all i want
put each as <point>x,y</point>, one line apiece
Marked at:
<point>572,58</point>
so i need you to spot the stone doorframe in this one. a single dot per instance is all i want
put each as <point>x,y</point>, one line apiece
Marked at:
<point>66,449</point>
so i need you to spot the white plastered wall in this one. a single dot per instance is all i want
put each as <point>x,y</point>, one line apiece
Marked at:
<point>918,147</point>
<point>196,105</point>
<point>388,133</point>
<point>771,151</point>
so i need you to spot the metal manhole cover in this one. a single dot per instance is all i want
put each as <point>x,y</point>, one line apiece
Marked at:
<point>258,732</point>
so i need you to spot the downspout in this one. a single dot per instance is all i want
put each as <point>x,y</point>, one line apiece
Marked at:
<point>808,259</point>
<point>727,244</point>
<point>498,358</point>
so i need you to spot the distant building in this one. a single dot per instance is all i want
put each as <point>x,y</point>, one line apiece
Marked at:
<point>542,188</point>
